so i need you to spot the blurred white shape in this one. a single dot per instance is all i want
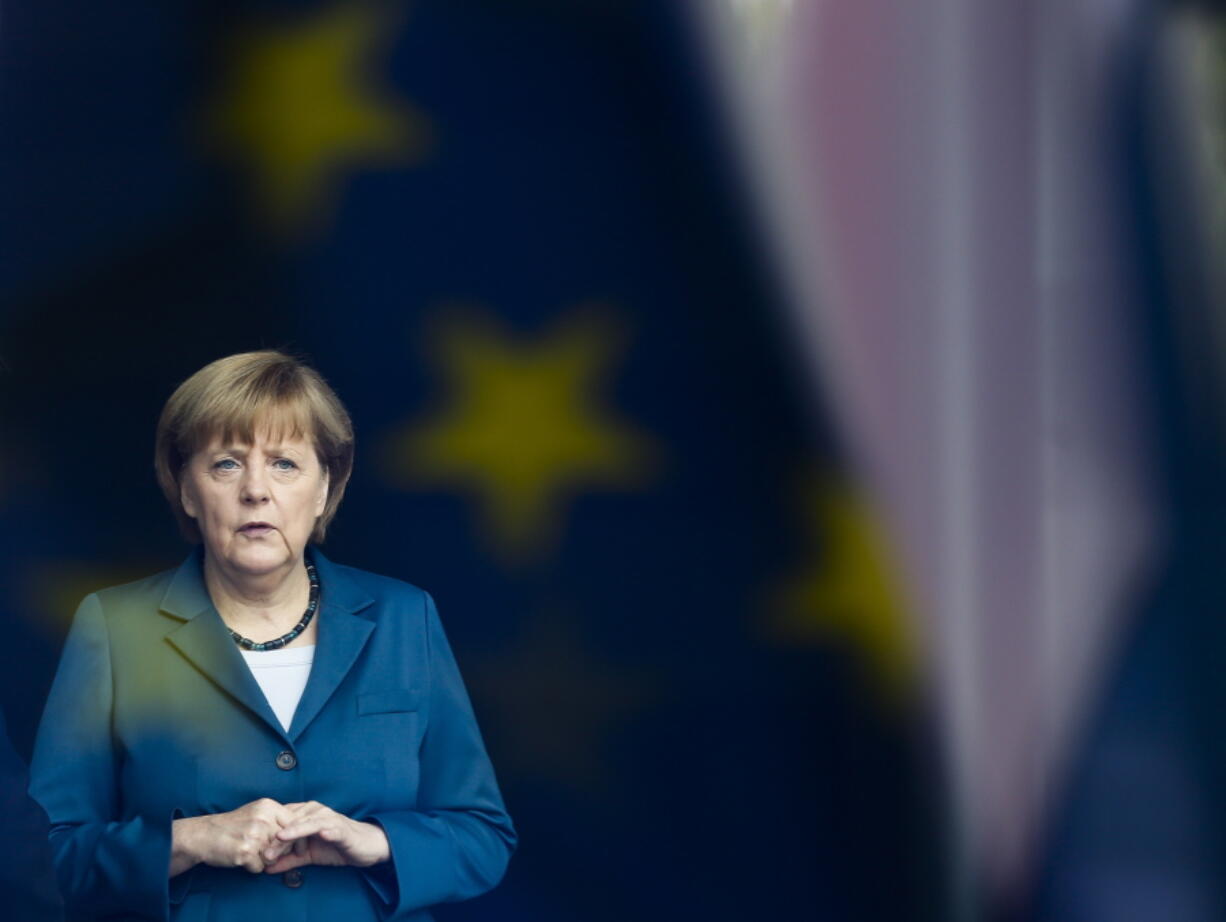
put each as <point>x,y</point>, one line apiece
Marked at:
<point>937,182</point>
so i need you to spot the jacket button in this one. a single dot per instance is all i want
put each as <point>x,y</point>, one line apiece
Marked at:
<point>286,760</point>
<point>292,879</point>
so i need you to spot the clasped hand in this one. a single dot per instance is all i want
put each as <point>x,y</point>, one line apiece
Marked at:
<point>268,837</point>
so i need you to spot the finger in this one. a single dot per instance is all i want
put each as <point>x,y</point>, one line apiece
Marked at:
<point>259,833</point>
<point>296,812</point>
<point>305,806</point>
<point>261,825</point>
<point>280,814</point>
<point>269,812</point>
<point>278,849</point>
<point>301,828</point>
<point>309,818</point>
<point>312,809</point>
<point>323,825</point>
<point>275,849</point>
<point>287,863</point>
<point>253,863</point>
<point>265,806</point>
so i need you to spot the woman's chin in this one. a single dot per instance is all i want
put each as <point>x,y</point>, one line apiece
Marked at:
<point>258,560</point>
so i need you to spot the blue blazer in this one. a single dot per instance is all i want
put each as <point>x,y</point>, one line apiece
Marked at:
<point>154,715</point>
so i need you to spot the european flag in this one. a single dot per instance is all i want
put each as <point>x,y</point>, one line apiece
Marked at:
<point>511,237</point>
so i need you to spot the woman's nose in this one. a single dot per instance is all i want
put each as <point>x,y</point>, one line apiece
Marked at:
<point>255,486</point>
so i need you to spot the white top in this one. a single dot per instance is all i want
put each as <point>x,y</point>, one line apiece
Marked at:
<point>282,675</point>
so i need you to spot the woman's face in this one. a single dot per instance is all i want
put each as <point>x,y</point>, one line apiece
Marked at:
<point>256,504</point>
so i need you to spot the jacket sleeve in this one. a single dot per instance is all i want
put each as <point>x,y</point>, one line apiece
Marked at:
<point>457,843</point>
<point>105,865</point>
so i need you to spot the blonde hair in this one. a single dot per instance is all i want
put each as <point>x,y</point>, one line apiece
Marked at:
<point>234,396</point>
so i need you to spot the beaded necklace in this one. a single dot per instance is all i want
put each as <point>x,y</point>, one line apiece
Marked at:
<point>278,643</point>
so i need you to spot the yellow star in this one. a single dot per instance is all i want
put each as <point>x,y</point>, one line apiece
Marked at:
<point>851,593</point>
<point>296,104</point>
<point>524,428</point>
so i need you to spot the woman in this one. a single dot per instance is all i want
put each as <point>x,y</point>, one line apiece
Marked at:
<point>261,733</point>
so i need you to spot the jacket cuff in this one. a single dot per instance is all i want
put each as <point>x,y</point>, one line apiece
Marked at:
<point>137,852</point>
<point>382,877</point>
<point>177,886</point>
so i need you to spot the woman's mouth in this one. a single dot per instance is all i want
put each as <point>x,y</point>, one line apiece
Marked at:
<point>255,529</point>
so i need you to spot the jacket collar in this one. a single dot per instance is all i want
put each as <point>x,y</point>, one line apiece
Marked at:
<point>186,596</point>
<point>343,631</point>
<point>203,639</point>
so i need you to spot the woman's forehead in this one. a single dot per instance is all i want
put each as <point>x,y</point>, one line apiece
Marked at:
<point>271,429</point>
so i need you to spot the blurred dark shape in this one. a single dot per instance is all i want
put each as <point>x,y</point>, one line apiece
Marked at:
<point>28,891</point>
<point>1139,827</point>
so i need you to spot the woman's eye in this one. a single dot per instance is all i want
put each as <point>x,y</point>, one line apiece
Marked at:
<point>284,464</point>
<point>225,464</point>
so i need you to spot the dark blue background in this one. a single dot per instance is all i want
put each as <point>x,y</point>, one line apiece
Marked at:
<point>664,754</point>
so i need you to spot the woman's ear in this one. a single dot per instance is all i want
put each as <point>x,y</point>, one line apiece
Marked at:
<point>321,501</point>
<point>186,500</point>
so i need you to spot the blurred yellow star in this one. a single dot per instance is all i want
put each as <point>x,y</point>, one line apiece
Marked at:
<point>523,427</point>
<point>850,592</point>
<point>297,104</point>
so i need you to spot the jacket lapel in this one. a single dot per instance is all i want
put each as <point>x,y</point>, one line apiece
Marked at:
<point>343,633</point>
<point>203,639</point>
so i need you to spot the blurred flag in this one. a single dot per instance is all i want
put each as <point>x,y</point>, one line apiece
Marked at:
<point>1140,829</point>
<point>945,187</point>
